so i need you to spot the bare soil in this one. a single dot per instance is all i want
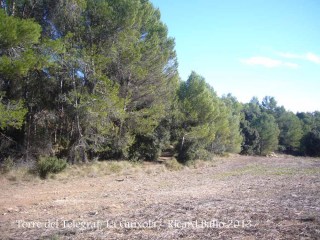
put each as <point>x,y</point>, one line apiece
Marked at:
<point>238,197</point>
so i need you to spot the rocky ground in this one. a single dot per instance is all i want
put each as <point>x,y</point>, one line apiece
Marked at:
<point>238,197</point>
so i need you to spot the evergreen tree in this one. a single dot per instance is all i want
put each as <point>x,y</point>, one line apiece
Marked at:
<point>259,127</point>
<point>18,57</point>
<point>108,74</point>
<point>268,133</point>
<point>234,117</point>
<point>198,106</point>
<point>251,137</point>
<point>311,143</point>
<point>310,140</point>
<point>290,132</point>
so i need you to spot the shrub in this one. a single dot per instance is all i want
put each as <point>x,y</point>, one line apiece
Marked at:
<point>145,148</point>
<point>47,165</point>
<point>191,151</point>
<point>7,165</point>
<point>173,165</point>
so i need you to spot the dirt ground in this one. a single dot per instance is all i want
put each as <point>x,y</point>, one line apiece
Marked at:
<point>238,197</point>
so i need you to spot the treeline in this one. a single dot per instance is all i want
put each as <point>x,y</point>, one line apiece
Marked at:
<point>88,79</point>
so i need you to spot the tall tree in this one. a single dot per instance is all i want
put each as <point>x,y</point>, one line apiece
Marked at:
<point>268,132</point>
<point>19,56</point>
<point>290,132</point>
<point>269,104</point>
<point>109,73</point>
<point>235,138</point>
<point>311,143</point>
<point>198,106</point>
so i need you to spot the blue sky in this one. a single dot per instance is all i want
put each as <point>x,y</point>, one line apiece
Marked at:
<point>250,47</point>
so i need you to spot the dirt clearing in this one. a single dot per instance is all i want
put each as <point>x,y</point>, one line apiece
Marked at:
<point>233,198</point>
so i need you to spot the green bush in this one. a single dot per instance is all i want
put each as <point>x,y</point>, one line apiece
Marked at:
<point>145,148</point>
<point>189,151</point>
<point>47,165</point>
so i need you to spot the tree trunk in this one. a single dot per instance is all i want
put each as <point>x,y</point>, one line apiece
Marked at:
<point>182,143</point>
<point>13,8</point>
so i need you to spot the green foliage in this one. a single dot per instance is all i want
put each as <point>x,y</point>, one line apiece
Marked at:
<point>259,128</point>
<point>251,143</point>
<point>46,165</point>
<point>15,32</point>
<point>268,132</point>
<point>145,148</point>
<point>311,143</point>
<point>311,126</point>
<point>228,137</point>
<point>206,122</point>
<point>198,106</point>
<point>290,132</point>
<point>12,114</point>
<point>269,104</point>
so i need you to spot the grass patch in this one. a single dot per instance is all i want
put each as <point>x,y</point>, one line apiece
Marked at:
<point>199,164</point>
<point>115,167</point>
<point>311,171</point>
<point>98,169</point>
<point>20,174</point>
<point>249,169</point>
<point>173,165</point>
<point>262,170</point>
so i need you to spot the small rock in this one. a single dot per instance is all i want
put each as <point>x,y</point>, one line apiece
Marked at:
<point>11,210</point>
<point>307,219</point>
<point>93,213</point>
<point>115,206</point>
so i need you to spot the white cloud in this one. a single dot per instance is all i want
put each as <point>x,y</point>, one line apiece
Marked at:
<point>268,62</point>
<point>289,55</point>
<point>311,57</point>
<point>290,65</point>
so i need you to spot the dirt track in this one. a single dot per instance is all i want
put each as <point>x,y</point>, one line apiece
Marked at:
<point>235,198</point>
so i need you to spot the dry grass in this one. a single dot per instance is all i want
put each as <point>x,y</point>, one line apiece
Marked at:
<point>173,165</point>
<point>99,169</point>
<point>259,169</point>
<point>20,174</point>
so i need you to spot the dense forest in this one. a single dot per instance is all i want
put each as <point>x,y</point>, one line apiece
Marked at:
<point>98,79</point>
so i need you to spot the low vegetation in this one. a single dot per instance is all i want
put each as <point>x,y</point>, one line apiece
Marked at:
<point>47,165</point>
<point>173,165</point>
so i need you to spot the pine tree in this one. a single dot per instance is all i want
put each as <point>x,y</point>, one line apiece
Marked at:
<point>198,106</point>
<point>290,132</point>
<point>268,133</point>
